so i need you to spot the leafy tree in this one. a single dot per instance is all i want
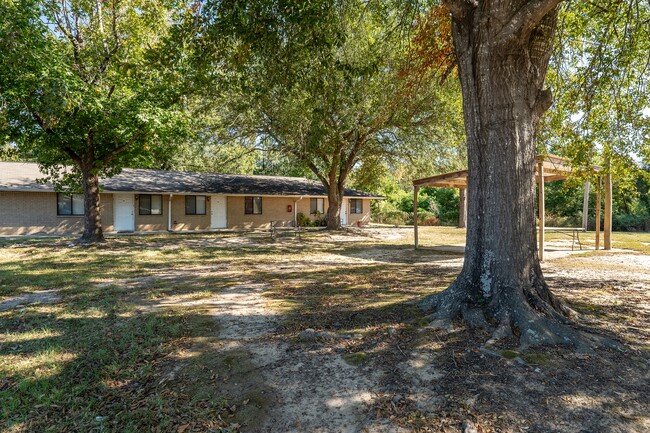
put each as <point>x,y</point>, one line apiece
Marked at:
<point>82,89</point>
<point>599,72</point>
<point>325,83</point>
<point>601,114</point>
<point>503,51</point>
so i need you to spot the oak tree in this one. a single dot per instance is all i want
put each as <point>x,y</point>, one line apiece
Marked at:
<point>503,51</point>
<point>326,83</point>
<point>82,90</point>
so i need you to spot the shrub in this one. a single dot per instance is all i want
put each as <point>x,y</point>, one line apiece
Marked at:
<point>425,218</point>
<point>554,220</point>
<point>630,222</point>
<point>303,220</point>
<point>389,213</point>
<point>429,221</point>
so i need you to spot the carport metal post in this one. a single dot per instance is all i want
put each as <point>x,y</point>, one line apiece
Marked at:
<point>540,181</point>
<point>599,185</point>
<point>585,206</point>
<point>462,216</point>
<point>415,215</point>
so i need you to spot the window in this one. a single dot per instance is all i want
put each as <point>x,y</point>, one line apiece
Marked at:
<point>356,205</point>
<point>316,205</point>
<point>252,205</point>
<point>194,205</point>
<point>150,204</point>
<point>69,204</point>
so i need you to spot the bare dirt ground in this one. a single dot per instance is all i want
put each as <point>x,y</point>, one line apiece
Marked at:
<point>40,297</point>
<point>333,365</point>
<point>321,334</point>
<point>315,390</point>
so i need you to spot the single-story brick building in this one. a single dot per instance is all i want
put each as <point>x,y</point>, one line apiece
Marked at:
<point>159,200</point>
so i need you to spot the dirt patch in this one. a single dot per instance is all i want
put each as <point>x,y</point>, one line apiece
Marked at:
<point>40,297</point>
<point>311,388</point>
<point>421,380</point>
<point>372,365</point>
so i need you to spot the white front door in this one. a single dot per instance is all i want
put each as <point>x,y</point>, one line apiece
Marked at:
<point>123,212</point>
<point>344,211</point>
<point>218,218</point>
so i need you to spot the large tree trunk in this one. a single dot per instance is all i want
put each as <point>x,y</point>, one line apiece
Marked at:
<point>92,209</point>
<point>502,76</point>
<point>335,199</point>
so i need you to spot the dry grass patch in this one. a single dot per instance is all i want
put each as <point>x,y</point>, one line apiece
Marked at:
<point>132,346</point>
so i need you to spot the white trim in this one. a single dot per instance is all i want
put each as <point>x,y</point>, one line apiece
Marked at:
<point>169,213</point>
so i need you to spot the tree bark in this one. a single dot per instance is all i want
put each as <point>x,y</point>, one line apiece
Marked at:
<point>93,232</point>
<point>502,66</point>
<point>335,200</point>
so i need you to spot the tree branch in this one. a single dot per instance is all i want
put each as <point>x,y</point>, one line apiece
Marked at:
<point>114,154</point>
<point>525,20</point>
<point>72,154</point>
<point>108,52</point>
<point>460,8</point>
<point>314,169</point>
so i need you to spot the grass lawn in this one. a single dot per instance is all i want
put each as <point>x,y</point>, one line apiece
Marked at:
<point>106,356</point>
<point>99,351</point>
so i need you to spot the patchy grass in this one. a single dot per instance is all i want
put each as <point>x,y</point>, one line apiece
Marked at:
<point>93,361</point>
<point>633,241</point>
<point>108,357</point>
<point>356,358</point>
<point>538,358</point>
<point>639,242</point>
<point>509,354</point>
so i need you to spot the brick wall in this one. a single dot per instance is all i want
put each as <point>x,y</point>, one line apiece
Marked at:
<point>24,213</point>
<point>27,213</point>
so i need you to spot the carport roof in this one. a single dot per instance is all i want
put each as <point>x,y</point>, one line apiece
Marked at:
<point>22,176</point>
<point>555,168</point>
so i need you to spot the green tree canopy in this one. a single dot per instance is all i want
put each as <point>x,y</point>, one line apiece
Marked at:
<point>83,91</point>
<point>328,84</point>
<point>600,73</point>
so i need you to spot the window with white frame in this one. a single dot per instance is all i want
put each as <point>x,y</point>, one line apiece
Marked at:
<point>194,205</point>
<point>69,204</point>
<point>356,205</point>
<point>253,205</point>
<point>316,206</point>
<point>150,204</point>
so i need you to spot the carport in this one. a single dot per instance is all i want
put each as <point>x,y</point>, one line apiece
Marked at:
<point>549,168</point>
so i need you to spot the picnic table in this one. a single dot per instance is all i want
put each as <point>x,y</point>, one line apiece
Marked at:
<point>573,232</point>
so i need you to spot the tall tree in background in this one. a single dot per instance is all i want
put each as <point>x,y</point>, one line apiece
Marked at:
<point>81,89</point>
<point>503,51</point>
<point>600,73</point>
<point>326,83</point>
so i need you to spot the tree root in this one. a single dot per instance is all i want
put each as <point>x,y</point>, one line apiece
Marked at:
<point>518,318</point>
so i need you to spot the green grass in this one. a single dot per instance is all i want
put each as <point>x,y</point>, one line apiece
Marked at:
<point>639,242</point>
<point>95,360</point>
<point>100,352</point>
<point>635,241</point>
<point>355,358</point>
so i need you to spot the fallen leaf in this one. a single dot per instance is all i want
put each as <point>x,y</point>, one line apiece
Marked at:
<point>182,428</point>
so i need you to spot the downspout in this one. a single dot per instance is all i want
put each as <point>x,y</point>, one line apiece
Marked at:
<point>169,213</point>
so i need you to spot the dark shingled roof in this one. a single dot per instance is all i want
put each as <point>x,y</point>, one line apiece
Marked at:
<point>18,176</point>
